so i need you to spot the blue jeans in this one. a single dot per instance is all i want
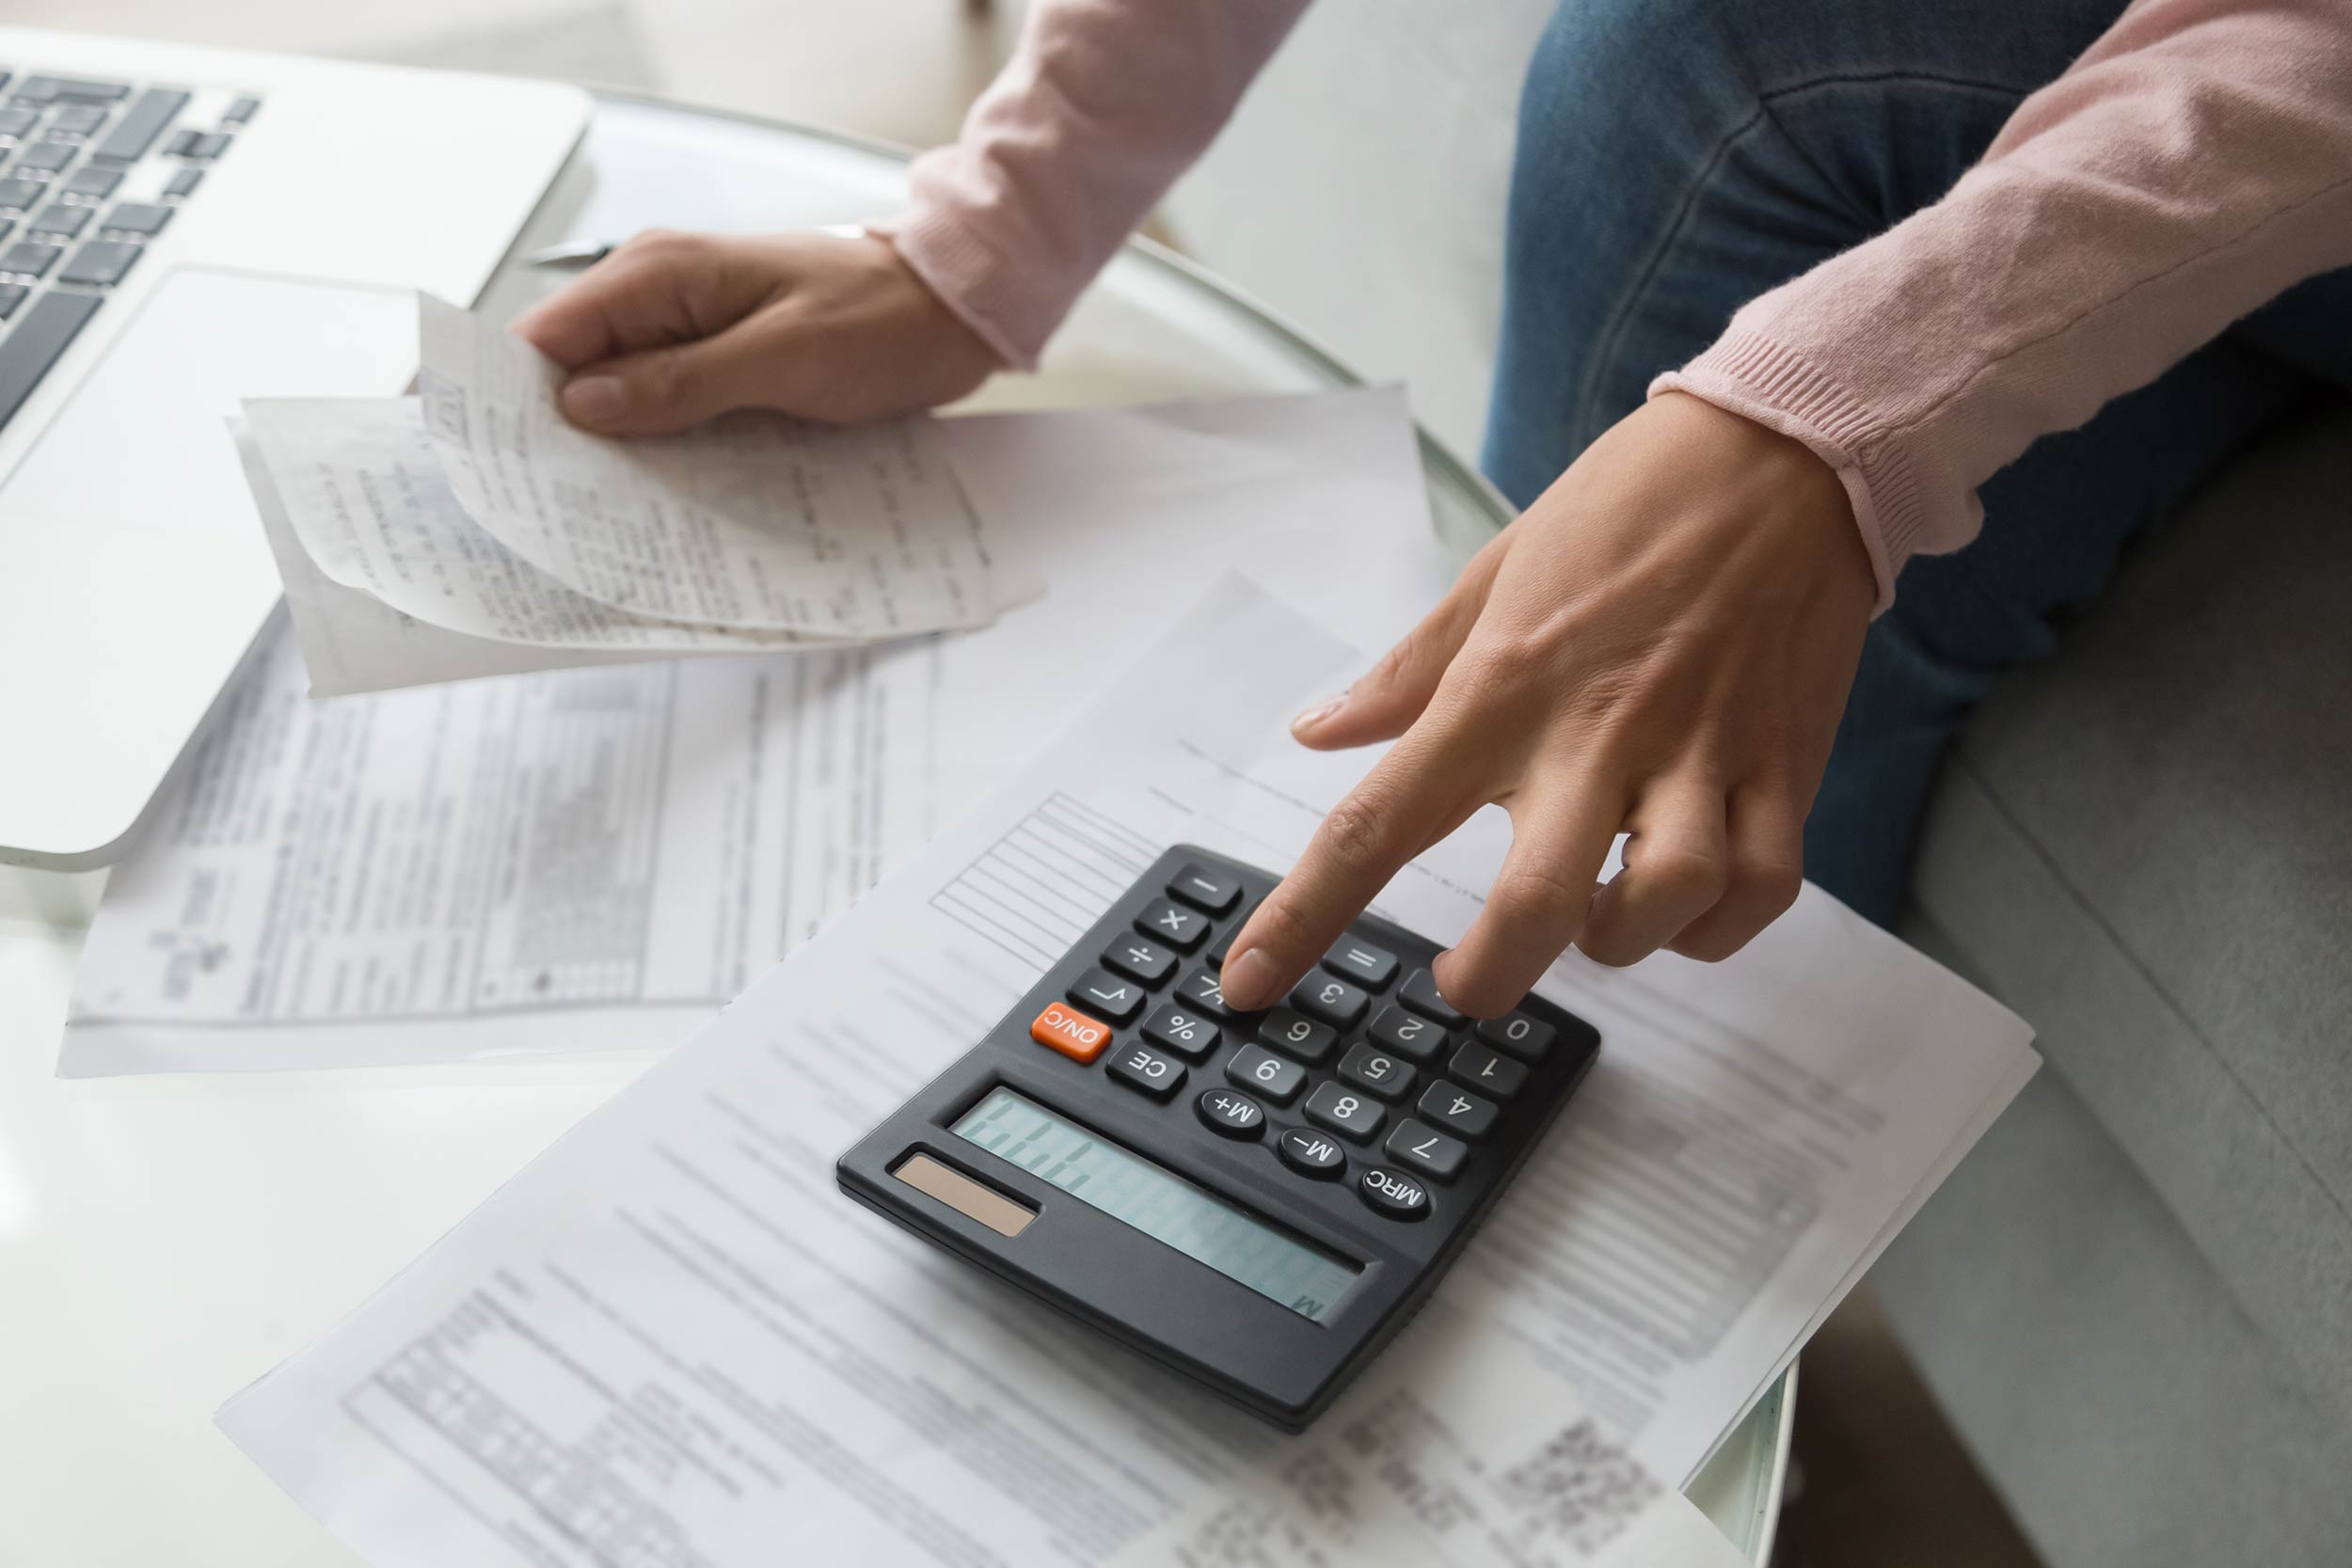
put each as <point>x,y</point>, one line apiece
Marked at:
<point>1679,157</point>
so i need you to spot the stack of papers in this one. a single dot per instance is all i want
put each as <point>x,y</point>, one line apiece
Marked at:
<point>671,1339</point>
<point>471,531</point>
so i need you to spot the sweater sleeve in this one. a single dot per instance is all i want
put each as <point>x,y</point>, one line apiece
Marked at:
<point>1104,103</point>
<point>2194,163</point>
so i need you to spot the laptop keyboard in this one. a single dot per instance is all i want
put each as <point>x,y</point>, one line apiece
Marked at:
<point>91,173</point>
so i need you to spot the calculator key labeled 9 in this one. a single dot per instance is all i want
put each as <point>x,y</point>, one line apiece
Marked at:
<point>1299,1038</point>
<point>1071,1032</point>
<point>1140,1068</point>
<point>1262,1073</point>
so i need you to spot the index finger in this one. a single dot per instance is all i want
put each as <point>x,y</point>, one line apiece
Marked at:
<point>640,296</point>
<point>1406,802</point>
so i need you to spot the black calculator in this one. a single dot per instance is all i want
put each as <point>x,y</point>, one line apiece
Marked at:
<point>1258,1200</point>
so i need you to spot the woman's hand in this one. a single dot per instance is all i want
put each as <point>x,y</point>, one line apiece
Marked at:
<point>1659,646</point>
<point>671,329</point>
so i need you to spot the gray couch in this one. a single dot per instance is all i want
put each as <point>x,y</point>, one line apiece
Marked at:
<point>2134,1299</point>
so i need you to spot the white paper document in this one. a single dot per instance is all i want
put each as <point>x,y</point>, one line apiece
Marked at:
<point>751,520</point>
<point>790,781</point>
<point>670,1340</point>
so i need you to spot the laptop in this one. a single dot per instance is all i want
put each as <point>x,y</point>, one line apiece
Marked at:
<point>180,228</point>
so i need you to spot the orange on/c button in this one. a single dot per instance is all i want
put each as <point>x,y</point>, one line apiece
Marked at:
<point>1071,1032</point>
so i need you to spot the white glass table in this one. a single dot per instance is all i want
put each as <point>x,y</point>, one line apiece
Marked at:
<point>166,1241</point>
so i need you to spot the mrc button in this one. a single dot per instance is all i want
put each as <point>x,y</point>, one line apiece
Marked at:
<point>1387,1192</point>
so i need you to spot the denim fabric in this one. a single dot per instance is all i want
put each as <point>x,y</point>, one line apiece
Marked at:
<point>1677,158</point>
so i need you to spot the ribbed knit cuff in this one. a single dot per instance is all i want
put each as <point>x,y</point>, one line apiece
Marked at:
<point>1747,375</point>
<point>975,283</point>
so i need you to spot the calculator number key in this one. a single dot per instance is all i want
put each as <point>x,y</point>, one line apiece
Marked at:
<point>1411,1037</point>
<point>1210,892</point>
<point>1393,1193</point>
<point>1361,962</point>
<point>1186,1034</point>
<point>1179,928</point>
<point>1138,1069</point>
<point>1456,1110</point>
<point>1140,958</point>
<point>1487,1072</point>
<point>1202,990</point>
<point>1350,1113</point>
<point>1230,1114</point>
<point>1071,1033</point>
<point>1420,992</point>
<point>1376,1070</point>
<point>1261,1072</point>
<point>1331,999</point>
<point>1425,1150</point>
<point>1310,1153</point>
<point>1297,1036</point>
<point>1107,995</point>
<point>1525,1037</point>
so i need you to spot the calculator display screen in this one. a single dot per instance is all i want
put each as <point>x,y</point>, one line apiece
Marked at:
<point>1161,1205</point>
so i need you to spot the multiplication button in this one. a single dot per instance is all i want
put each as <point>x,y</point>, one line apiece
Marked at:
<point>1179,928</point>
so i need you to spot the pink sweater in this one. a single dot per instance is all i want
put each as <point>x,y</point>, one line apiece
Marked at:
<point>2194,163</point>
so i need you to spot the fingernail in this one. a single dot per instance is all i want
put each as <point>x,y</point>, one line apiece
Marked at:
<point>594,399</point>
<point>1248,980</point>
<point>1314,716</point>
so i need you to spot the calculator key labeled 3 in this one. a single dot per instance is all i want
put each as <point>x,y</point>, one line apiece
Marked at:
<point>1071,1032</point>
<point>1361,962</point>
<point>1186,1034</point>
<point>1208,890</point>
<point>1230,1113</point>
<point>1409,1035</point>
<point>1458,1111</point>
<point>1141,1068</point>
<point>1140,958</point>
<point>1377,1072</point>
<point>1423,1149</point>
<point>1523,1037</point>
<point>1179,928</point>
<point>1312,1154</point>
<point>1393,1193</point>
<point>1106,995</point>
<point>1262,1073</point>
<point>1350,1113</point>
<point>1487,1072</point>
<point>1333,1000</point>
<point>1299,1038</point>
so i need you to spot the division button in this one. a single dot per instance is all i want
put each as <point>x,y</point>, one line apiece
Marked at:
<point>1420,992</point>
<point>1261,1072</point>
<point>1106,995</point>
<point>1139,1069</point>
<point>1361,962</point>
<point>1350,1113</point>
<point>1230,1113</point>
<point>1523,1037</point>
<point>1457,1111</point>
<point>1333,1001</point>
<point>1071,1032</point>
<point>1297,1036</point>
<point>1310,1153</point>
<point>1140,958</point>
<point>1393,1193</point>
<point>1208,890</point>
<point>1376,1070</point>
<point>1426,1149</point>
<point>1482,1069</point>
<point>1179,928</point>
<point>1411,1037</point>
<point>1186,1034</point>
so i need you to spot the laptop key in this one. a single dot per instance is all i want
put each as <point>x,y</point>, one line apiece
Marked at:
<point>241,110</point>
<point>29,257</point>
<point>76,120</point>
<point>15,123</point>
<point>47,157</point>
<point>20,194</point>
<point>100,262</point>
<point>12,295</point>
<point>182,185</point>
<point>70,89</point>
<point>34,343</point>
<point>136,130</point>
<point>96,183</point>
<point>197,144</point>
<point>146,217</point>
<point>59,219</point>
